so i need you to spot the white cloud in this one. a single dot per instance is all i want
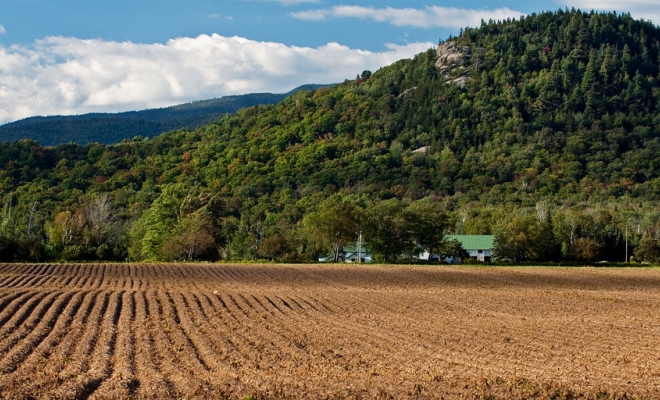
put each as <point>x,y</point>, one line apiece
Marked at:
<point>227,17</point>
<point>71,76</point>
<point>428,17</point>
<point>640,9</point>
<point>2,30</point>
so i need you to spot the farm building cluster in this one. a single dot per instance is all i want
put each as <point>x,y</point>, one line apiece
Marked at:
<point>479,248</point>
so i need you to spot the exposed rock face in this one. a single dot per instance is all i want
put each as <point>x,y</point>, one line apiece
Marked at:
<point>452,54</point>
<point>408,92</point>
<point>462,81</point>
<point>452,57</point>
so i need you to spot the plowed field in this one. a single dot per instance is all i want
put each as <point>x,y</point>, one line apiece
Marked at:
<point>213,331</point>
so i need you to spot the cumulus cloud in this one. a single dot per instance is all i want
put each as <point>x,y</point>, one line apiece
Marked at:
<point>641,9</point>
<point>2,30</point>
<point>428,17</point>
<point>60,75</point>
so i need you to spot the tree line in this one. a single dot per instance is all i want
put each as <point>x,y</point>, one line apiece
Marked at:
<point>182,225</point>
<point>185,226</point>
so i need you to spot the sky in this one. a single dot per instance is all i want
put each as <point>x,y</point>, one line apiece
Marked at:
<point>77,56</point>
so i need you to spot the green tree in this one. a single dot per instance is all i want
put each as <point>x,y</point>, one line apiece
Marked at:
<point>67,229</point>
<point>386,230</point>
<point>515,239</point>
<point>547,248</point>
<point>135,238</point>
<point>585,249</point>
<point>161,220</point>
<point>240,245</point>
<point>454,248</point>
<point>648,250</point>
<point>275,248</point>
<point>8,220</point>
<point>180,223</point>
<point>193,240</point>
<point>334,225</point>
<point>427,223</point>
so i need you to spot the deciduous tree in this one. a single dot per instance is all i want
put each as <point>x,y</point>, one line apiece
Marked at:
<point>386,230</point>
<point>334,225</point>
<point>515,239</point>
<point>427,224</point>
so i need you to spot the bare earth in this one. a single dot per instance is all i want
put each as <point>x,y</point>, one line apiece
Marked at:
<point>310,331</point>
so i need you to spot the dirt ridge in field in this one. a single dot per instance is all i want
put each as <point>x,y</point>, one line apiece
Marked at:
<point>75,331</point>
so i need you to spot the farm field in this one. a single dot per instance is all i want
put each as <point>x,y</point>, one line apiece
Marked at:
<point>327,331</point>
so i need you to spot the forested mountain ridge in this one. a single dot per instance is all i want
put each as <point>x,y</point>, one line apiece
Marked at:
<point>554,112</point>
<point>110,128</point>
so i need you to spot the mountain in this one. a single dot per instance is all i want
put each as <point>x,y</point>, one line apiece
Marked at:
<point>552,118</point>
<point>108,128</point>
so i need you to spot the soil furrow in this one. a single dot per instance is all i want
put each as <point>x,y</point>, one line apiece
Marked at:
<point>239,346</point>
<point>21,344</point>
<point>35,366</point>
<point>194,325</point>
<point>6,279</point>
<point>78,362</point>
<point>100,366</point>
<point>20,310</point>
<point>151,382</point>
<point>122,383</point>
<point>58,354</point>
<point>17,281</point>
<point>9,297</point>
<point>170,360</point>
<point>182,337</point>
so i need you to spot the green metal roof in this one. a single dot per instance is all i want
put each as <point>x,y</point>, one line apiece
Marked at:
<point>474,242</point>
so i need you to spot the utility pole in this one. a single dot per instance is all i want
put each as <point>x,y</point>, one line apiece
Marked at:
<point>359,249</point>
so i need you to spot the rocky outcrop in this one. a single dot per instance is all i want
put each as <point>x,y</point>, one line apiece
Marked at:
<point>407,92</point>
<point>461,81</point>
<point>452,57</point>
<point>452,54</point>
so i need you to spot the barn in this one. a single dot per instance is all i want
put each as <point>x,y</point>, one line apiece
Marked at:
<point>480,247</point>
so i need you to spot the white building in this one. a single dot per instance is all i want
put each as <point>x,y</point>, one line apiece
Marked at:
<point>480,247</point>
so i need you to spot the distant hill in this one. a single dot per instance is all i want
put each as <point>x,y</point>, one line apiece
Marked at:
<point>109,128</point>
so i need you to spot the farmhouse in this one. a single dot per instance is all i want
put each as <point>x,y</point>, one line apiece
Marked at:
<point>352,252</point>
<point>479,247</point>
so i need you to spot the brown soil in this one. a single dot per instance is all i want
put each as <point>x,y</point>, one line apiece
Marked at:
<point>343,331</point>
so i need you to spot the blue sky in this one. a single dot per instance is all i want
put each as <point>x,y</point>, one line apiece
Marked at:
<point>145,21</point>
<point>74,56</point>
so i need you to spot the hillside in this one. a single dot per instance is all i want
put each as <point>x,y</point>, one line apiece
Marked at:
<point>108,128</point>
<point>543,126</point>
